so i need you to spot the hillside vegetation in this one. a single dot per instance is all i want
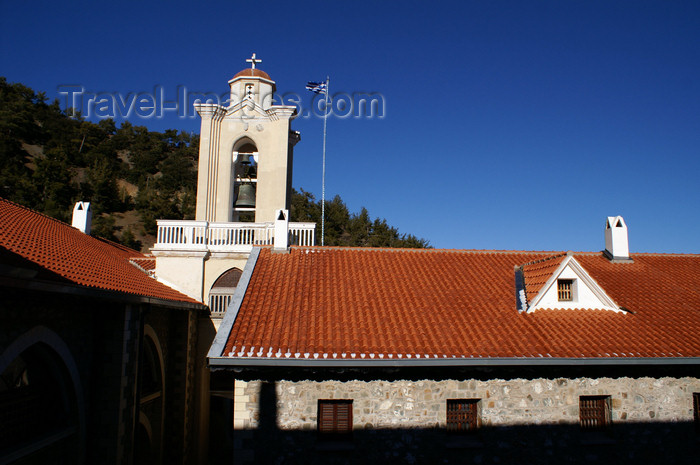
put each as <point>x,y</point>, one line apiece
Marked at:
<point>132,176</point>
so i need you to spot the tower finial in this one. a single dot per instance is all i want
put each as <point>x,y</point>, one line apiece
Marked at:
<point>252,60</point>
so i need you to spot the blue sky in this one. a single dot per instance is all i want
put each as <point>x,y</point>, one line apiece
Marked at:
<point>508,124</point>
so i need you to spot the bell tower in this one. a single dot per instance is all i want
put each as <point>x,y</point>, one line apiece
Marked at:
<point>245,152</point>
<point>245,175</point>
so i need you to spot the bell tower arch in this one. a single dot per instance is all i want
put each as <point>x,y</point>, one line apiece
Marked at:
<point>250,136</point>
<point>244,179</point>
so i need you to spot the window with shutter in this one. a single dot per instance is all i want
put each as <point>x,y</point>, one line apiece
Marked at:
<point>463,415</point>
<point>335,417</point>
<point>595,412</point>
<point>696,409</point>
<point>565,291</point>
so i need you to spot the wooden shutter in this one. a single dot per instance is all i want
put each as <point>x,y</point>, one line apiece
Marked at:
<point>696,408</point>
<point>326,417</point>
<point>343,417</point>
<point>594,412</point>
<point>462,415</point>
<point>335,416</point>
<point>564,290</point>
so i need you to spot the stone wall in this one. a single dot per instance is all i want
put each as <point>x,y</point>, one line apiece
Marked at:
<point>409,417</point>
<point>503,402</point>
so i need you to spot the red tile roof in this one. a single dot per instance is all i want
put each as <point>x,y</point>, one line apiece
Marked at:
<point>247,72</point>
<point>536,274</point>
<point>398,303</point>
<point>146,263</point>
<point>76,257</point>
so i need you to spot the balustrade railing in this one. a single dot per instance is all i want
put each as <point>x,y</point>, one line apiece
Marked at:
<point>202,235</point>
<point>218,302</point>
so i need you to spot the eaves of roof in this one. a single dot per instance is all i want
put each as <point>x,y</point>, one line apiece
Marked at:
<point>35,285</point>
<point>232,362</point>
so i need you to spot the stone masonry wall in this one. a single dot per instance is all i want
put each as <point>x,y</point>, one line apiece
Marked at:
<point>503,402</point>
<point>523,421</point>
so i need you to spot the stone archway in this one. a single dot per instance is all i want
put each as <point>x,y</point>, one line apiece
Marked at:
<point>144,453</point>
<point>148,437</point>
<point>41,402</point>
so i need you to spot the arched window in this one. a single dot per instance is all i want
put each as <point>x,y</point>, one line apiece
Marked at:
<point>245,175</point>
<point>38,408</point>
<point>148,438</point>
<point>150,372</point>
<point>222,292</point>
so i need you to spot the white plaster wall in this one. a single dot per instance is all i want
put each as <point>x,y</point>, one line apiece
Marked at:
<point>184,271</point>
<point>583,296</point>
<point>263,90</point>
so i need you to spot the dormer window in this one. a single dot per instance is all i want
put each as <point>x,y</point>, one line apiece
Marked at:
<point>565,290</point>
<point>567,286</point>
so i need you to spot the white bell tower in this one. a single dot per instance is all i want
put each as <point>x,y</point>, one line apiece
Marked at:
<point>245,152</point>
<point>244,186</point>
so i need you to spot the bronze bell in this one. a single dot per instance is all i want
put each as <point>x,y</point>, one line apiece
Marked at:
<point>246,196</point>
<point>244,158</point>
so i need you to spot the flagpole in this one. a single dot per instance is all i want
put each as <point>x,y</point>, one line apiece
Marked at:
<point>323,177</point>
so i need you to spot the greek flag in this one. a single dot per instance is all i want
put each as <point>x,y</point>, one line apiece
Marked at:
<point>317,87</point>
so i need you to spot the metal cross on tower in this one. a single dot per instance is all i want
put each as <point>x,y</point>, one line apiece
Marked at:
<point>252,60</point>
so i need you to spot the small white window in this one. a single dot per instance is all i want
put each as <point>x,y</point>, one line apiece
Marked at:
<point>565,290</point>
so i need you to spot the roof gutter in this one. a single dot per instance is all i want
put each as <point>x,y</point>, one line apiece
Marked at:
<point>236,362</point>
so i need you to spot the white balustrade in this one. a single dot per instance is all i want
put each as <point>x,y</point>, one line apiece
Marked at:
<point>218,302</point>
<point>302,233</point>
<point>226,237</point>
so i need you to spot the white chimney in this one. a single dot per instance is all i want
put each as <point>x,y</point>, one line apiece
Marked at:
<point>82,217</point>
<point>281,242</point>
<point>616,240</point>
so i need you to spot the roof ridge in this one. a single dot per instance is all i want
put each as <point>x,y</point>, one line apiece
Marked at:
<point>542,260</point>
<point>33,212</point>
<point>426,250</point>
<point>666,254</point>
<point>117,245</point>
<point>132,262</point>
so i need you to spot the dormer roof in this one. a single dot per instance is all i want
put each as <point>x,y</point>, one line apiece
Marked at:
<point>537,273</point>
<point>541,279</point>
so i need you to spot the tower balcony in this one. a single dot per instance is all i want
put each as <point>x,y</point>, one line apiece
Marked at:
<point>183,235</point>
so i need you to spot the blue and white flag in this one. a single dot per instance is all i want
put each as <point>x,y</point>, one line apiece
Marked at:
<point>317,87</point>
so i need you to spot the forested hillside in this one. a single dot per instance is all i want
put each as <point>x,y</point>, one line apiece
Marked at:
<point>131,175</point>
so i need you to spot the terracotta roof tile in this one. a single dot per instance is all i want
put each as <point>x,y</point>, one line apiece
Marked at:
<point>147,264</point>
<point>247,72</point>
<point>536,274</point>
<point>78,258</point>
<point>440,303</point>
